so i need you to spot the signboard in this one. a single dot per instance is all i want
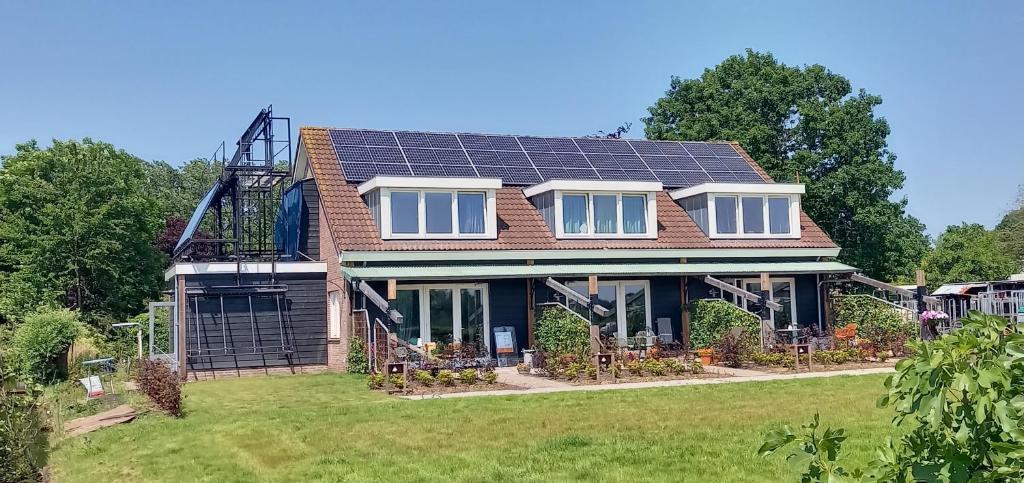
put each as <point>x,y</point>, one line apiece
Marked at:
<point>396,368</point>
<point>604,360</point>
<point>504,343</point>
<point>93,386</point>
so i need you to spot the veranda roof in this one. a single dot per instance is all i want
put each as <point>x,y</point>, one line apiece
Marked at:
<point>463,272</point>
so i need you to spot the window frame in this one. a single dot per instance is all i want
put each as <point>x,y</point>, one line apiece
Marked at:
<point>620,303</point>
<point>794,216</point>
<point>650,213</point>
<point>742,303</point>
<point>490,216</point>
<point>456,288</point>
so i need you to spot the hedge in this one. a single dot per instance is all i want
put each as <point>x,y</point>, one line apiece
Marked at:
<point>713,318</point>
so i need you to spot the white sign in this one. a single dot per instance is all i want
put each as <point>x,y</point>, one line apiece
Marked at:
<point>93,386</point>
<point>504,342</point>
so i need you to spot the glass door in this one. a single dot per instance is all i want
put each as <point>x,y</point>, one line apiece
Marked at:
<point>441,316</point>
<point>473,329</point>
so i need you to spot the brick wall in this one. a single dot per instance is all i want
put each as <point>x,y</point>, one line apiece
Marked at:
<point>337,349</point>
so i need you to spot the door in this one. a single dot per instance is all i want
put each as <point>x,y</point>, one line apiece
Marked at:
<point>445,315</point>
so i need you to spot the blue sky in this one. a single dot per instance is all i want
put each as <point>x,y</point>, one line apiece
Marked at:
<point>172,80</point>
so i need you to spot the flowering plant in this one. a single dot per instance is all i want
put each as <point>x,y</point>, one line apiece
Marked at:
<point>933,315</point>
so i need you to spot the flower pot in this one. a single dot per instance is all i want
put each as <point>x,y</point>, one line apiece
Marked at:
<point>706,356</point>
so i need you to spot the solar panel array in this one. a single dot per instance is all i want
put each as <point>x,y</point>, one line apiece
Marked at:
<point>527,160</point>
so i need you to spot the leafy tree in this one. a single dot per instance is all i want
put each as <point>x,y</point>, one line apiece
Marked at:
<point>965,253</point>
<point>807,123</point>
<point>76,229</point>
<point>1010,232</point>
<point>959,404</point>
<point>178,190</point>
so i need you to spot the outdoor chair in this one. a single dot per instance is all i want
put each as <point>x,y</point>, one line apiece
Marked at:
<point>664,325</point>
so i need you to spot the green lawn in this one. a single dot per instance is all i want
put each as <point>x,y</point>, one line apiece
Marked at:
<point>330,428</point>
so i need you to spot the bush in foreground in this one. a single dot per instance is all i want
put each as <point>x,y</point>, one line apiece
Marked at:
<point>561,332</point>
<point>161,384</point>
<point>358,362</point>
<point>23,443</point>
<point>42,341</point>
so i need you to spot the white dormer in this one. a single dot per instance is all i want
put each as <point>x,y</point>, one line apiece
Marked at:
<point>744,210</point>
<point>598,209</point>
<point>417,207</point>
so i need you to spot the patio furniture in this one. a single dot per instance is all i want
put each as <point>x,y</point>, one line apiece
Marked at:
<point>664,325</point>
<point>798,349</point>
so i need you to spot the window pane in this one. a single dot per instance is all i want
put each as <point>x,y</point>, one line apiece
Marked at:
<point>574,213</point>
<point>634,214</point>
<point>442,322</point>
<point>471,212</point>
<point>753,214</point>
<point>636,308</point>
<point>405,211</point>
<point>608,325</point>
<point>778,215</point>
<point>439,212</point>
<point>725,214</point>
<point>604,214</point>
<point>782,293</point>
<point>472,308</point>
<point>408,304</point>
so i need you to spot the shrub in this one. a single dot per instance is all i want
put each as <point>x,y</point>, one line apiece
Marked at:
<point>712,319</point>
<point>883,325</point>
<point>490,377</point>
<point>655,367</point>
<point>397,380</point>
<point>23,442</point>
<point>469,376</point>
<point>572,370</point>
<point>42,340</point>
<point>635,367</point>
<point>591,371</point>
<point>446,378</point>
<point>696,367</point>
<point>375,381</point>
<point>358,362</point>
<point>734,351</point>
<point>675,366</point>
<point>424,378</point>
<point>561,332</point>
<point>161,384</point>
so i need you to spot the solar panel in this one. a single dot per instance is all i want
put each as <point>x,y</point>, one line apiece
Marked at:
<point>528,160</point>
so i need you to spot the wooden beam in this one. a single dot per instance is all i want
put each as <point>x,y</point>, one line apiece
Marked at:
<point>766,283</point>
<point>572,294</point>
<point>920,278</point>
<point>714,282</point>
<point>686,313</point>
<point>592,284</point>
<point>379,301</point>
<point>856,277</point>
<point>531,313</point>
<point>392,289</point>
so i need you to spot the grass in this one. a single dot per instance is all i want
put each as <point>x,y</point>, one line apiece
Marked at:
<point>330,428</point>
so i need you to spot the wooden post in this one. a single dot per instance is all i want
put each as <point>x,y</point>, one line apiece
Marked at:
<point>928,331</point>
<point>766,314</point>
<point>531,309</point>
<point>592,284</point>
<point>392,289</point>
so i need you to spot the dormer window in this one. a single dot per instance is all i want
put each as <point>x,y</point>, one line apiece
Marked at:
<point>740,210</point>
<point>598,209</point>
<point>433,208</point>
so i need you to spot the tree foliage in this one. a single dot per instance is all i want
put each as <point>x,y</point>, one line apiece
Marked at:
<point>959,404</point>
<point>178,190</point>
<point>805,122</point>
<point>77,225</point>
<point>966,253</point>
<point>1009,232</point>
<point>41,340</point>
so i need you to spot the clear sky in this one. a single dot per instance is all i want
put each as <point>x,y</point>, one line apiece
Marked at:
<point>171,80</point>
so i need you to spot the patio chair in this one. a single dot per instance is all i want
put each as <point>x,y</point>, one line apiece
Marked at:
<point>664,325</point>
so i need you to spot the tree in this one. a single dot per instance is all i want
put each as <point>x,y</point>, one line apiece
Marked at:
<point>178,190</point>
<point>807,123</point>
<point>1010,232</point>
<point>77,227</point>
<point>966,253</point>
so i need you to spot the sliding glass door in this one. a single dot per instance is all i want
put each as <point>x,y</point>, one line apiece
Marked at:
<point>445,314</point>
<point>628,302</point>
<point>781,292</point>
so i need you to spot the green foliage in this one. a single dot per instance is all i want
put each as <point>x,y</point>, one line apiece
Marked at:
<point>161,384</point>
<point>397,381</point>
<point>806,122</point>
<point>358,361</point>
<point>560,332</point>
<point>675,366</point>
<point>815,454</point>
<point>23,442</point>
<point>446,378</point>
<point>735,351</point>
<point>42,340</point>
<point>490,377</point>
<point>966,253</point>
<point>375,381</point>
<point>469,376</point>
<point>712,319</point>
<point>959,403</point>
<point>424,378</point>
<point>655,367</point>
<point>178,190</point>
<point>884,326</point>
<point>76,229</point>
<point>696,366</point>
<point>1009,232</point>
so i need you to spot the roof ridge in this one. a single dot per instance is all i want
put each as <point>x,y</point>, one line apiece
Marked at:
<point>543,136</point>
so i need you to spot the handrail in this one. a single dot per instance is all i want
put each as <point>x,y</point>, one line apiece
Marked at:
<point>742,293</point>
<point>578,297</point>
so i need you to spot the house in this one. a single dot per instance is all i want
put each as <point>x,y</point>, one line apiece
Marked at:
<point>443,238</point>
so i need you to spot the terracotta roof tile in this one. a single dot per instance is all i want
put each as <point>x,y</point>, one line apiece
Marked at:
<point>520,225</point>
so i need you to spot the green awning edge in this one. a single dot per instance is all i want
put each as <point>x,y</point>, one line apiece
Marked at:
<point>476,272</point>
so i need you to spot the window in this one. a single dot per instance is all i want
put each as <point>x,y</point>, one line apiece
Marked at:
<point>629,306</point>
<point>334,324</point>
<point>471,213</point>
<point>725,214</point>
<point>612,215</point>
<point>439,212</point>
<point>574,213</point>
<point>440,315</point>
<point>634,214</point>
<point>605,217</point>
<point>405,212</point>
<point>781,292</point>
<point>778,215</point>
<point>753,214</point>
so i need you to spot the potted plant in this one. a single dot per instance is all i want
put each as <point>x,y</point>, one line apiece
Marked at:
<point>706,355</point>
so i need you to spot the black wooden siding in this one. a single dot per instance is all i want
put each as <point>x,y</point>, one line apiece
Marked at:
<point>309,225</point>
<point>305,331</point>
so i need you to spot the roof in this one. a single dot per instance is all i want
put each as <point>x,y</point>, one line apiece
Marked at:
<point>451,272</point>
<point>520,225</point>
<point>957,288</point>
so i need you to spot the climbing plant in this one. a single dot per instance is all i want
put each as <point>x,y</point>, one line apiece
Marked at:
<point>713,318</point>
